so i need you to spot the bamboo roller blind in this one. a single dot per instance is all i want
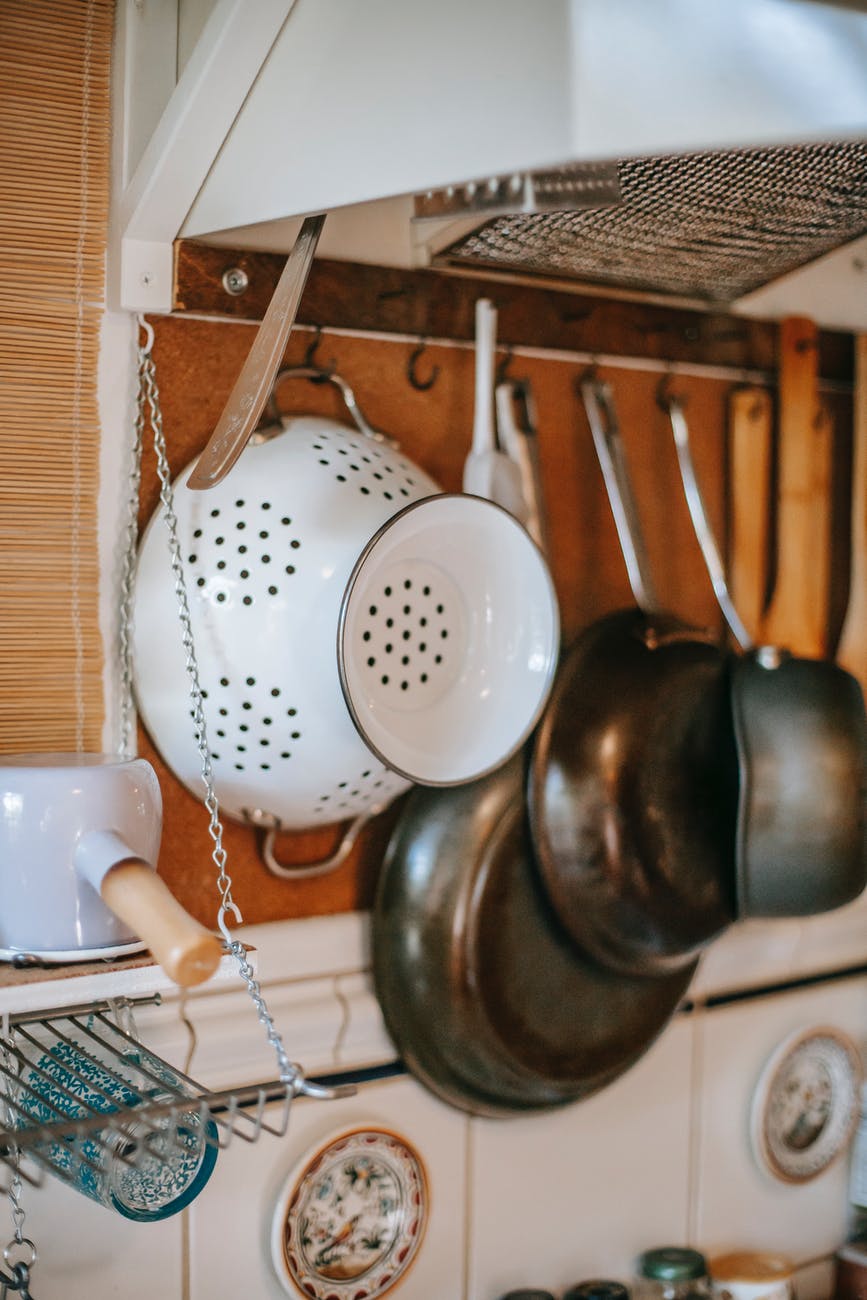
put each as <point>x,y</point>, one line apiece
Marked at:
<point>54,158</point>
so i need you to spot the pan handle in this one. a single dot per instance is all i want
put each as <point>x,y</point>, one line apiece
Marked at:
<point>602,418</point>
<point>700,521</point>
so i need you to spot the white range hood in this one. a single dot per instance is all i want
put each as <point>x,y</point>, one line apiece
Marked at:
<point>354,106</point>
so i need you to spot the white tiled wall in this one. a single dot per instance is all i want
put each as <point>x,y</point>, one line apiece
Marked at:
<point>661,1156</point>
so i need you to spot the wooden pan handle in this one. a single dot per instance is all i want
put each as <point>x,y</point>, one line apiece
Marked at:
<point>186,951</point>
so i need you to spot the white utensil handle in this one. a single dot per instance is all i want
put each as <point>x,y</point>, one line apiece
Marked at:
<point>484,436</point>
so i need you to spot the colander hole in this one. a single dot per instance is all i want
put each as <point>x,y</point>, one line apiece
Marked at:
<point>425,591</point>
<point>263,534</point>
<point>224,681</point>
<point>404,686</point>
<point>291,712</point>
<point>245,573</point>
<point>422,646</point>
<point>422,622</point>
<point>221,564</point>
<point>322,461</point>
<point>372,611</point>
<point>265,767</point>
<point>272,591</point>
<point>239,767</point>
<point>251,681</point>
<point>385,681</point>
<point>248,600</point>
<point>365,491</point>
<point>284,753</point>
<point>404,659</point>
<point>388,591</point>
<point>341,478</point>
<point>200,582</point>
<point>246,705</point>
<point>296,735</point>
<point>389,622</point>
<point>214,514</point>
<point>406,635</point>
<point>214,756</point>
<point>191,559</point>
<point>242,550</point>
<point>403,492</point>
<point>354,793</point>
<point>221,596</point>
<point>341,785</point>
<point>371,661</point>
<point>376,474</point>
<point>423,677</point>
<point>266,505</point>
<point>439,609</point>
<point>389,469</point>
<point>264,741</point>
<point>204,695</point>
<point>240,525</point>
<point>387,496</point>
<point>407,583</point>
<point>285,520</point>
<point>197,533</point>
<point>221,734</point>
<point>275,691</point>
<point>224,713</point>
<point>355,467</point>
<point>243,727</point>
<point>342,451</point>
<point>365,636</point>
<point>295,544</point>
<point>438,659</point>
<point>242,749</point>
<point>407,609</point>
<point>365,775</point>
<point>444,633</point>
<point>266,559</point>
<point>388,648</point>
<point>267,722</point>
<point>218,541</point>
<point>240,504</point>
<point>377,784</point>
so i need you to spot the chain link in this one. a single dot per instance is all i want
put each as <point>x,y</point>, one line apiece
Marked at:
<point>149,411</point>
<point>19,1241</point>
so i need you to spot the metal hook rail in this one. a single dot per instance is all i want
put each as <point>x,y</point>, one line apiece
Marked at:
<point>83,1098</point>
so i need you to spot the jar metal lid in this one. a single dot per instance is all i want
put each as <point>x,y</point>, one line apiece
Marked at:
<point>672,1264</point>
<point>597,1289</point>
<point>749,1266</point>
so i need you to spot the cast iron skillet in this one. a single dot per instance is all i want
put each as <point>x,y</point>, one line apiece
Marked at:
<point>633,787</point>
<point>484,994</point>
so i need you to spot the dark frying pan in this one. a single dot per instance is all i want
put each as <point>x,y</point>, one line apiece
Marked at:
<point>801,736</point>
<point>482,991</point>
<point>633,788</point>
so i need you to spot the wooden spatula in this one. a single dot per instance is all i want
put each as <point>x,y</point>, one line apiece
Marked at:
<point>852,650</point>
<point>797,617</point>
<point>750,450</point>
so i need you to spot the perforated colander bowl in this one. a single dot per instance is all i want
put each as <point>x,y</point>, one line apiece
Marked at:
<point>442,607</point>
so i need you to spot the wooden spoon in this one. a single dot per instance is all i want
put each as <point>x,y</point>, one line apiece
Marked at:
<point>852,650</point>
<point>750,446</point>
<point>798,614</point>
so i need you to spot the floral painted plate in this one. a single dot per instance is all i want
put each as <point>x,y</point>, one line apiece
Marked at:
<point>807,1103</point>
<point>351,1217</point>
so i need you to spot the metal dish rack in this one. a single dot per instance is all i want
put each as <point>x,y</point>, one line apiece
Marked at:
<point>115,1103</point>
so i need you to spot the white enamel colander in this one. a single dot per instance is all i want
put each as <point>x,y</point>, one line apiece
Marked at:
<point>356,630</point>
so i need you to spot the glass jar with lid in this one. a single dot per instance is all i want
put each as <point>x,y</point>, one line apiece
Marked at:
<point>597,1289</point>
<point>672,1273</point>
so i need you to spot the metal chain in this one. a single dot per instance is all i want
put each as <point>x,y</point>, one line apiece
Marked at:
<point>149,409</point>
<point>19,1243</point>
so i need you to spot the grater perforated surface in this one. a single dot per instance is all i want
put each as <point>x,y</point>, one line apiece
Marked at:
<point>711,226</point>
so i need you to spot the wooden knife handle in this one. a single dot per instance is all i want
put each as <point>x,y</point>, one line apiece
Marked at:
<point>186,951</point>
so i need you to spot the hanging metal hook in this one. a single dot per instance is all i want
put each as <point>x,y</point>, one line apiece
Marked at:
<point>421,385</point>
<point>664,395</point>
<point>310,357</point>
<point>502,373</point>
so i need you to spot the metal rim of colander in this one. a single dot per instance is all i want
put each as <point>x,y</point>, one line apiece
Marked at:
<point>342,631</point>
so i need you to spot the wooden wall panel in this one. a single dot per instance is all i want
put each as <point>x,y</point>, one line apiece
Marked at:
<point>197,361</point>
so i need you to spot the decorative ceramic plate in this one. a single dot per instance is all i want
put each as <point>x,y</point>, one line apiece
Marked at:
<point>351,1217</point>
<point>807,1104</point>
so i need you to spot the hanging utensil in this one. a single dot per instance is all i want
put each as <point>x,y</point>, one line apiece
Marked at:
<point>633,781</point>
<point>483,993</point>
<point>250,393</point>
<point>798,613</point>
<point>516,427</point>
<point>852,648</point>
<point>750,450</point>
<point>801,736</point>
<point>488,471</point>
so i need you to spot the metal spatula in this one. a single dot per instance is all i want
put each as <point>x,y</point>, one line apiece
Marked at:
<point>248,397</point>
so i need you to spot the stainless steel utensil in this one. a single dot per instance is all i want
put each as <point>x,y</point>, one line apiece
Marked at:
<point>252,387</point>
